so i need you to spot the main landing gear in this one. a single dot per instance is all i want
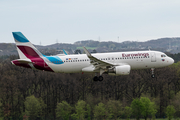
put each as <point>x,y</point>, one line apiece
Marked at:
<point>100,78</point>
<point>96,78</point>
<point>152,73</point>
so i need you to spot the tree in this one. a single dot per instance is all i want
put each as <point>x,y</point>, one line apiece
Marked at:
<point>17,83</point>
<point>63,110</point>
<point>94,51</point>
<point>176,103</point>
<point>99,111</point>
<point>77,51</point>
<point>80,110</point>
<point>148,107</point>
<point>170,111</point>
<point>43,106</point>
<point>32,107</point>
<point>1,111</point>
<point>112,46</point>
<point>89,111</point>
<point>128,112</point>
<point>114,108</point>
<point>137,108</point>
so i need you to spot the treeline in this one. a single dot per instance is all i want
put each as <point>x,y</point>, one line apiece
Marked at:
<point>17,84</point>
<point>176,57</point>
<point>111,109</point>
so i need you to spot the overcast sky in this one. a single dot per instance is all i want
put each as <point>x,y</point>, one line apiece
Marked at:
<point>68,21</point>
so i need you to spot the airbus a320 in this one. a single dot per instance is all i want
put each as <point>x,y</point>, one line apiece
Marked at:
<point>114,63</point>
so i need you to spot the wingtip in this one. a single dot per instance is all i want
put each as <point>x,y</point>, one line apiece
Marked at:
<point>86,51</point>
<point>65,52</point>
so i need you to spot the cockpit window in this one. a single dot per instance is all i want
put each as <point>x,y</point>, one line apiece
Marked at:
<point>163,55</point>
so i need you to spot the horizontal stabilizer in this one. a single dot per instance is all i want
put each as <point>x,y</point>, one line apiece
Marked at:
<point>24,60</point>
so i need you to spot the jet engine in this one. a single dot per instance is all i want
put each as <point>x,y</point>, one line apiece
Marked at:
<point>120,70</point>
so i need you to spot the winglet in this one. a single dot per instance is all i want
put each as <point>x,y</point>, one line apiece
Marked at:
<point>65,52</point>
<point>87,52</point>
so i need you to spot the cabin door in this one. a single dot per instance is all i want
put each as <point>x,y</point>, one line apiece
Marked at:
<point>153,57</point>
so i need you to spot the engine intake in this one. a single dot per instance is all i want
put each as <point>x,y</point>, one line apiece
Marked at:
<point>120,70</point>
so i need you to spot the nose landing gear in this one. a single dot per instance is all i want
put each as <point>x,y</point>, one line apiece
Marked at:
<point>153,76</point>
<point>152,73</point>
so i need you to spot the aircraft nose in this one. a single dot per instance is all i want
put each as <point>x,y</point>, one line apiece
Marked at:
<point>171,61</point>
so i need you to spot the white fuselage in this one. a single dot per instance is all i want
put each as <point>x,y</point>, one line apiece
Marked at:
<point>116,63</point>
<point>136,59</point>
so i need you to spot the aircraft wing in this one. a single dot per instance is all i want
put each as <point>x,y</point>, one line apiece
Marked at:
<point>97,63</point>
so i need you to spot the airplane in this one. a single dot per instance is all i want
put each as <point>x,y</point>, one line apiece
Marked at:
<point>113,63</point>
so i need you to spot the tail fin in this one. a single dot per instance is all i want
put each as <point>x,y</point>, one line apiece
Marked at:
<point>25,48</point>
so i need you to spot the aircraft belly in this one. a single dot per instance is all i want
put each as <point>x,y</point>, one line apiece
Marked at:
<point>139,64</point>
<point>68,68</point>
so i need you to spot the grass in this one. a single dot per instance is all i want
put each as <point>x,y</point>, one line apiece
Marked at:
<point>92,48</point>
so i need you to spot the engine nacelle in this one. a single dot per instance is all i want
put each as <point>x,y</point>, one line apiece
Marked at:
<point>120,70</point>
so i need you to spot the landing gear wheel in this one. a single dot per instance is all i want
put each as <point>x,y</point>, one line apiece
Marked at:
<point>100,78</point>
<point>153,76</point>
<point>95,78</point>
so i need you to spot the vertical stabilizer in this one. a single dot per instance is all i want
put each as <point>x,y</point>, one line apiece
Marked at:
<point>24,47</point>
